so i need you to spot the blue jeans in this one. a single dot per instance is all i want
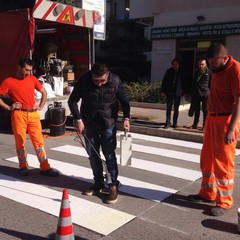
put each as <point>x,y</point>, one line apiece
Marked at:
<point>106,139</point>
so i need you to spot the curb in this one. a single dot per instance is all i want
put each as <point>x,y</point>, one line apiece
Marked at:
<point>159,106</point>
<point>167,133</point>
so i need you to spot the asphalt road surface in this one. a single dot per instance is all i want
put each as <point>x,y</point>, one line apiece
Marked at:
<point>152,200</point>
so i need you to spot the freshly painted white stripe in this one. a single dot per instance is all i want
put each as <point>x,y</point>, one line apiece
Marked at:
<point>130,186</point>
<point>183,156</point>
<point>169,170</point>
<point>90,215</point>
<point>170,141</point>
<point>139,148</point>
<point>180,143</point>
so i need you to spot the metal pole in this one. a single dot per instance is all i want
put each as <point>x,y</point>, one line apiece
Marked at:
<point>91,48</point>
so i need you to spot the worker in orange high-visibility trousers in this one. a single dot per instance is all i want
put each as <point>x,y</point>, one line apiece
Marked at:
<point>25,117</point>
<point>220,132</point>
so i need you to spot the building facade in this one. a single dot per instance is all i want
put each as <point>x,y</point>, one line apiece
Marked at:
<point>186,28</point>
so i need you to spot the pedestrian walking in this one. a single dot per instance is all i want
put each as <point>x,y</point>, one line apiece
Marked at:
<point>25,117</point>
<point>200,91</point>
<point>100,91</point>
<point>220,132</point>
<point>173,89</point>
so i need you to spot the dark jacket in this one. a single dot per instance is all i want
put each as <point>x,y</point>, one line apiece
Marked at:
<point>170,81</point>
<point>201,83</point>
<point>99,105</point>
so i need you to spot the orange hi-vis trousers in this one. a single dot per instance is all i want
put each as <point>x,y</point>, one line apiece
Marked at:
<point>217,162</point>
<point>23,122</point>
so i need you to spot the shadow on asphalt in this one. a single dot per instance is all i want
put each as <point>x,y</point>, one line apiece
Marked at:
<point>21,235</point>
<point>220,225</point>
<point>182,201</point>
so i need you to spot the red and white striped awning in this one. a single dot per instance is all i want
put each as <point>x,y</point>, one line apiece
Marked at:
<point>58,12</point>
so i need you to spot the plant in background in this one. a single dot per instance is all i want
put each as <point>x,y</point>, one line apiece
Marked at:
<point>144,92</point>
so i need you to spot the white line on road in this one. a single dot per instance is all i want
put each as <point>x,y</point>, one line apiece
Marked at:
<point>180,143</point>
<point>131,186</point>
<point>165,169</point>
<point>90,215</point>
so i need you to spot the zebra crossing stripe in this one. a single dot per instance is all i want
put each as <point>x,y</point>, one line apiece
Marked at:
<point>170,141</point>
<point>93,216</point>
<point>189,157</point>
<point>165,169</point>
<point>131,186</point>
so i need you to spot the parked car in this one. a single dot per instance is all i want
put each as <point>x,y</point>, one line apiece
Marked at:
<point>126,74</point>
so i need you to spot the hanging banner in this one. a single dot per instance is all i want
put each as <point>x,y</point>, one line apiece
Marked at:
<point>98,7</point>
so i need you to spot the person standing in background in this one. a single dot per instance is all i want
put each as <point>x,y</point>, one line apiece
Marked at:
<point>173,88</point>
<point>200,91</point>
<point>221,131</point>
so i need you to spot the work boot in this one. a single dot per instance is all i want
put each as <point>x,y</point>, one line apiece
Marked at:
<point>50,172</point>
<point>95,188</point>
<point>113,194</point>
<point>218,211</point>
<point>24,172</point>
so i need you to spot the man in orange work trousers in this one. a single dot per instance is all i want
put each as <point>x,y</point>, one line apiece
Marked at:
<point>220,132</point>
<point>25,117</point>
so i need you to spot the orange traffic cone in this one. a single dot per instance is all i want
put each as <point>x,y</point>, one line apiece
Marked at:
<point>65,227</point>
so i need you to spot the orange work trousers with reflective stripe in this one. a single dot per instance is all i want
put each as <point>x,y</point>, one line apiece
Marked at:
<point>217,162</point>
<point>23,122</point>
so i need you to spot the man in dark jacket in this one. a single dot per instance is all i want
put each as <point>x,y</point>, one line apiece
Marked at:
<point>200,91</point>
<point>100,92</point>
<point>173,88</point>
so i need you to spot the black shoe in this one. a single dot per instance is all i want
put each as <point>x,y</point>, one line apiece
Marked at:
<point>50,172</point>
<point>95,188</point>
<point>113,195</point>
<point>218,211</point>
<point>167,125</point>
<point>197,198</point>
<point>194,126</point>
<point>24,172</point>
<point>174,125</point>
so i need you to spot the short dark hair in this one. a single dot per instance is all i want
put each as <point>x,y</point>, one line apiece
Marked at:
<point>202,59</point>
<point>25,61</point>
<point>216,49</point>
<point>99,69</point>
<point>176,60</point>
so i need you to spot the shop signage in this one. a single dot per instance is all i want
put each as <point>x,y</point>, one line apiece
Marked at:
<point>99,11</point>
<point>206,30</point>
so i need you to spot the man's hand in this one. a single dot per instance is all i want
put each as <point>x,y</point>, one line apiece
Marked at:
<point>79,126</point>
<point>126,124</point>
<point>16,105</point>
<point>229,137</point>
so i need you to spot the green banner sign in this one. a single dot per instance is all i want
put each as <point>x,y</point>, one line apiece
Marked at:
<point>207,30</point>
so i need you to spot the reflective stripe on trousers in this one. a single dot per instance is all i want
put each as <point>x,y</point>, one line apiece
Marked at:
<point>23,122</point>
<point>217,162</point>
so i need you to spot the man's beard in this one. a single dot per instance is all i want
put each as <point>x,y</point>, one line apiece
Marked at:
<point>218,69</point>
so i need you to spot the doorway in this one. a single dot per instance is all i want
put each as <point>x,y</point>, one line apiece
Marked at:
<point>190,51</point>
